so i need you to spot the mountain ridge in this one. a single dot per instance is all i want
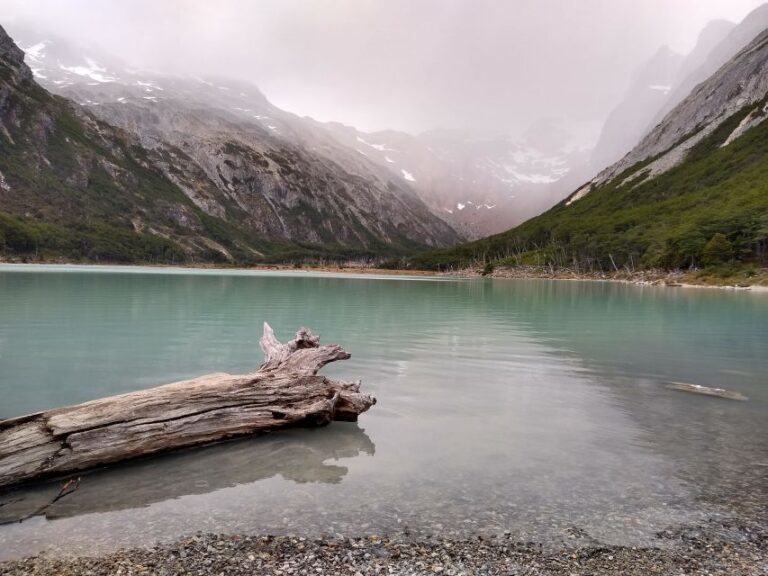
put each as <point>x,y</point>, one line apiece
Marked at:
<point>718,54</point>
<point>478,185</point>
<point>631,118</point>
<point>250,203</point>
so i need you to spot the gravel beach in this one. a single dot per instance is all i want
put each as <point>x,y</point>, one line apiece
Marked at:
<point>672,278</point>
<point>723,548</point>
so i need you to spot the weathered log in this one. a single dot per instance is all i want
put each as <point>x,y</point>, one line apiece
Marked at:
<point>285,391</point>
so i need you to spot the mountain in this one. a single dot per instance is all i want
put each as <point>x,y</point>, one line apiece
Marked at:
<point>694,68</point>
<point>225,184</point>
<point>665,80</point>
<point>717,45</point>
<point>696,183</point>
<point>659,85</point>
<point>478,184</point>
<point>648,92</point>
<point>73,186</point>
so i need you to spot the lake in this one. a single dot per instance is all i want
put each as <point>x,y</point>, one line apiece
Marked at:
<point>537,407</point>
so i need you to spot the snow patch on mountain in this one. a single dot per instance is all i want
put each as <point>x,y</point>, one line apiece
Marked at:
<point>92,71</point>
<point>379,147</point>
<point>532,178</point>
<point>580,193</point>
<point>3,184</point>
<point>408,176</point>
<point>148,85</point>
<point>36,51</point>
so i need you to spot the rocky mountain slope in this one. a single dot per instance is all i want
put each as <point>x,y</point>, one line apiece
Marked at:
<point>694,188</point>
<point>666,80</point>
<point>72,186</point>
<point>659,84</point>
<point>738,85</point>
<point>477,184</point>
<point>648,92</point>
<point>251,191</point>
<point>718,44</point>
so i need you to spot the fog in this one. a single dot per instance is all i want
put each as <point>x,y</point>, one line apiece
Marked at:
<point>479,65</point>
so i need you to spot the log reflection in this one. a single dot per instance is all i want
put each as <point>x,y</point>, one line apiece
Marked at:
<point>299,455</point>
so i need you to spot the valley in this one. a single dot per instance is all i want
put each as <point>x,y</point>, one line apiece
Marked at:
<point>499,215</point>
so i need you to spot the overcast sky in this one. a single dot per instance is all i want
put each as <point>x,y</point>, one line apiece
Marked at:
<point>405,64</point>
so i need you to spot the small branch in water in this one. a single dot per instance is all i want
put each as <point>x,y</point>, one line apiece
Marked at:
<point>66,489</point>
<point>6,503</point>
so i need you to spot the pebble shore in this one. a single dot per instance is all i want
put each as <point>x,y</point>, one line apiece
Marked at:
<point>672,278</point>
<point>692,551</point>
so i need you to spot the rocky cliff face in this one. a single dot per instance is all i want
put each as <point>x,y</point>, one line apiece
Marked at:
<point>658,86</point>
<point>78,187</point>
<point>219,148</point>
<point>718,44</point>
<point>630,120</point>
<point>283,182</point>
<point>739,86</point>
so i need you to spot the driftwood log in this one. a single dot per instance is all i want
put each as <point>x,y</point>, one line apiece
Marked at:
<point>285,391</point>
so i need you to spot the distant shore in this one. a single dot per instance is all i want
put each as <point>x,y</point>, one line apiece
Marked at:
<point>668,278</point>
<point>372,270</point>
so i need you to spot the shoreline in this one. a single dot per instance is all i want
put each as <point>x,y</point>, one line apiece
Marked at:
<point>719,548</point>
<point>659,278</point>
<point>259,268</point>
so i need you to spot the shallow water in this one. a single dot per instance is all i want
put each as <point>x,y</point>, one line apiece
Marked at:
<point>534,406</point>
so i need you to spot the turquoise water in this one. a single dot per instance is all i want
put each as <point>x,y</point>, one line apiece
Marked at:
<point>534,406</point>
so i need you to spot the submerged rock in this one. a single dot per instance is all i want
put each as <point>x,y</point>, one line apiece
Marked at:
<point>706,391</point>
